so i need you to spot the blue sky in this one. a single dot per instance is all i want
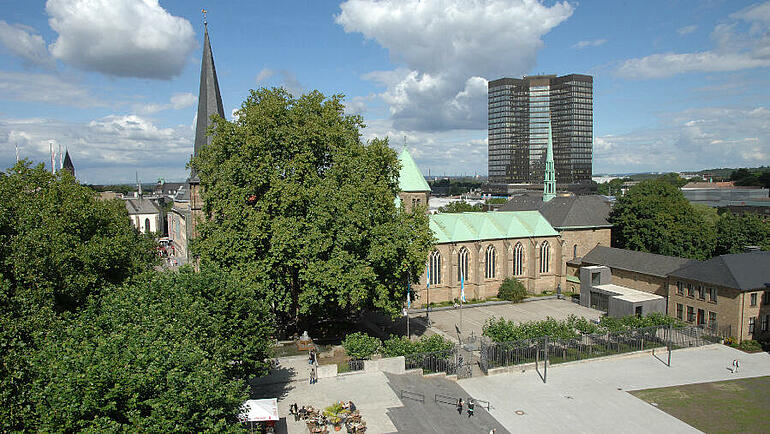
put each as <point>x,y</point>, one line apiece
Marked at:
<point>678,85</point>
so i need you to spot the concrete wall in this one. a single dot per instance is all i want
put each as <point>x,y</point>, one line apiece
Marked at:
<point>620,308</point>
<point>327,371</point>
<point>604,277</point>
<point>393,365</point>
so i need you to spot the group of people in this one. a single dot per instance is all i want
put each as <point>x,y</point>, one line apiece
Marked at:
<point>471,406</point>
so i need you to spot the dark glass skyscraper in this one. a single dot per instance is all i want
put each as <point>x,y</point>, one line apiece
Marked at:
<point>519,110</point>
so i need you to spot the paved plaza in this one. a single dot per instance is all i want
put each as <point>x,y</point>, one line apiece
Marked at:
<point>591,396</point>
<point>447,322</point>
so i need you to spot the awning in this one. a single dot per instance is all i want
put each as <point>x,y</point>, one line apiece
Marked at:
<point>259,410</point>
<point>573,279</point>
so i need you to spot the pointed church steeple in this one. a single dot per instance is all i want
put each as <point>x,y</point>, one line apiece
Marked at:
<point>209,99</point>
<point>67,164</point>
<point>549,184</point>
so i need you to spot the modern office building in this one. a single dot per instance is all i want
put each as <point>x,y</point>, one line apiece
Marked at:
<point>519,113</point>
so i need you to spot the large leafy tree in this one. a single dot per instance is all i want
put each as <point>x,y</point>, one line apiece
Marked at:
<point>734,233</point>
<point>299,205</point>
<point>654,216</point>
<point>59,246</point>
<point>461,206</point>
<point>167,352</point>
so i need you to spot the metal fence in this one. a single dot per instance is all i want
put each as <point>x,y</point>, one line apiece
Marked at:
<point>355,365</point>
<point>496,354</point>
<point>437,361</point>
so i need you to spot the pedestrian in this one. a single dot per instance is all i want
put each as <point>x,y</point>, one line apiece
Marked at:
<point>492,431</point>
<point>460,406</point>
<point>471,404</point>
<point>737,364</point>
<point>310,357</point>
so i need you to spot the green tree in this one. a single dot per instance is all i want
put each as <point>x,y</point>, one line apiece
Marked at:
<point>734,233</point>
<point>460,206</point>
<point>673,179</point>
<point>654,216</point>
<point>59,247</point>
<point>299,206</point>
<point>512,290</point>
<point>167,352</point>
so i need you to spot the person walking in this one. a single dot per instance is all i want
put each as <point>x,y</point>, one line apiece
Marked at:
<point>471,404</point>
<point>460,406</point>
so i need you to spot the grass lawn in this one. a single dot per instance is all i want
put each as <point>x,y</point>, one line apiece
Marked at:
<point>723,406</point>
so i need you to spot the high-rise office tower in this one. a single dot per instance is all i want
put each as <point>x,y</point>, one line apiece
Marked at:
<point>519,112</point>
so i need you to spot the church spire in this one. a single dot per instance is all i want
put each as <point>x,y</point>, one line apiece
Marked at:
<point>209,98</point>
<point>549,184</point>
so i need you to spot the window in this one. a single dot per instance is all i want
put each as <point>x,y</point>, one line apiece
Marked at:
<point>679,289</point>
<point>690,290</point>
<point>434,267</point>
<point>690,314</point>
<point>701,292</point>
<point>754,299</point>
<point>752,321</point>
<point>701,317</point>
<point>679,311</point>
<point>462,264</point>
<point>147,226</point>
<point>712,319</point>
<point>518,260</point>
<point>765,321</point>
<point>491,260</point>
<point>545,258</point>
<point>713,294</point>
<point>766,297</point>
<point>574,251</point>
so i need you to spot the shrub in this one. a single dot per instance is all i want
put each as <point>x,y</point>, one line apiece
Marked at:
<point>360,345</point>
<point>512,290</point>
<point>399,346</point>
<point>750,346</point>
<point>429,344</point>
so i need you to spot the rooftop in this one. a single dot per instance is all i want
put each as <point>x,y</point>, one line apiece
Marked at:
<point>631,260</point>
<point>743,271</point>
<point>476,226</point>
<point>410,178</point>
<point>627,294</point>
<point>141,206</point>
<point>564,212</point>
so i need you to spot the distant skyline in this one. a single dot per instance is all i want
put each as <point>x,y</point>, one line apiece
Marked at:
<point>678,85</point>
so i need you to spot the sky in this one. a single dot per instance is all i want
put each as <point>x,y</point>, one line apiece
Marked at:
<point>678,84</point>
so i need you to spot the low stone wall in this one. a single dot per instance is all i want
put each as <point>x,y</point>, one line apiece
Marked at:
<point>327,371</point>
<point>393,365</point>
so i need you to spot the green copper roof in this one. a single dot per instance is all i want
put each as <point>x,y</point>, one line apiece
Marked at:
<point>476,226</point>
<point>410,178</point>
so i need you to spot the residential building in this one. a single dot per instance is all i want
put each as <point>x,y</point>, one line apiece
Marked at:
<point>519,114</point>
<point>647,272</point>
<point>732,291</point>
<point>144,215</point>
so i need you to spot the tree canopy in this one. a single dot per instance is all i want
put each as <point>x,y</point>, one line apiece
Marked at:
<point>461,206</point>
<point>734,233</point>
<point>299,206</point>
<point>59,247</point>
<point>654,216</point>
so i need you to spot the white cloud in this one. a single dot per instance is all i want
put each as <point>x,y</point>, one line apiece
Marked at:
<point>124,38</point>
<point>589,43</point>
<point>735,48</point>
<point>45,88</point>
<point>285,78</point>
<point>686,30</point>
<point>22,41</point>
<point>690,140</point>
<point>108,149</point>
<point>177,101</point>
<point>447,49</point>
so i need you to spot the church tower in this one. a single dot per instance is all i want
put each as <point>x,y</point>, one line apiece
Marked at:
<point>209,103</point>
<point>549,185</point>
<point>67,163</point>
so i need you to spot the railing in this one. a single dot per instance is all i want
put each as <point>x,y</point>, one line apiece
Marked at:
<point>416,396</point>
<point>437,361</point>
<point>494,354</point>
<point>355,365</point>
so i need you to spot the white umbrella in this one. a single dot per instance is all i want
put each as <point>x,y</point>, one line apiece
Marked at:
<point>259,410</point>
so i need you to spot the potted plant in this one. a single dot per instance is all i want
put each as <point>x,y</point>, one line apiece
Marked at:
<point>333,415</point>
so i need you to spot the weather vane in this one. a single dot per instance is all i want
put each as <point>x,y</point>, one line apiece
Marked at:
<point>205,21</point>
